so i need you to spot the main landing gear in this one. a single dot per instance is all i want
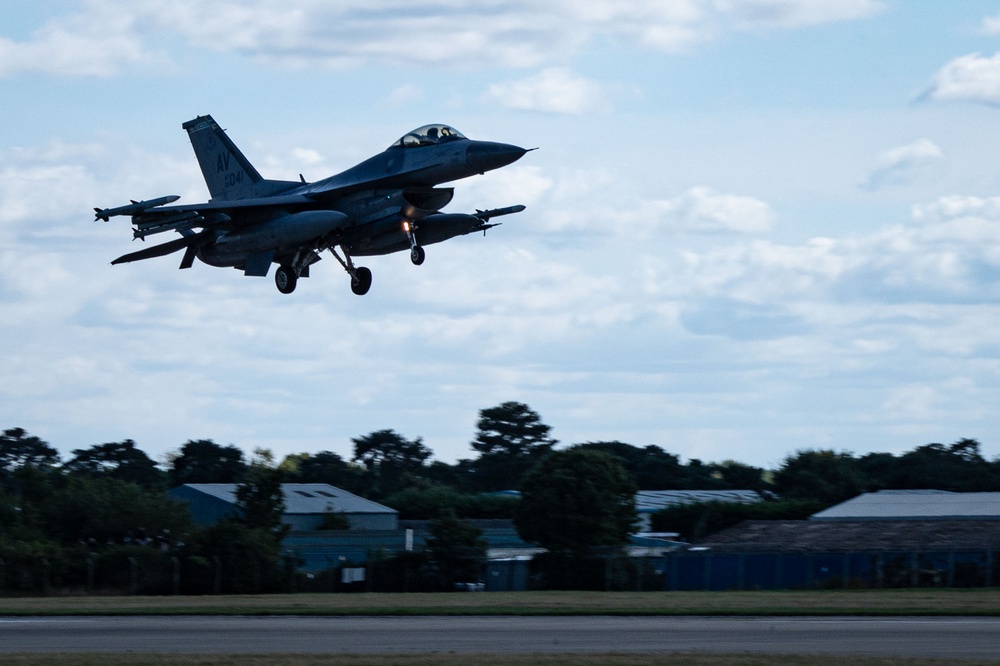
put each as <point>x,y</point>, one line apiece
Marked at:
<point>285,278</point>
<point>361,277</point>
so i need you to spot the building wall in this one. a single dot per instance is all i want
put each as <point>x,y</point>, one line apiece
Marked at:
<point>358,521</point>
<point>205,509</point>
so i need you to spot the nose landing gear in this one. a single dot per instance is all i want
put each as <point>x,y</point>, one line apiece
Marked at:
<point>416,252</point>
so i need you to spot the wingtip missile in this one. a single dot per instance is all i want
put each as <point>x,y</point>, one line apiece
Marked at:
<point>497,212</point>
<point>134,208</point>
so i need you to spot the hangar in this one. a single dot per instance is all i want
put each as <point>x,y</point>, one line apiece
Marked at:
<point>306,505</point>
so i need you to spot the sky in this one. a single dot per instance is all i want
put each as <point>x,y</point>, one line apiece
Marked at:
<point>752,226</point>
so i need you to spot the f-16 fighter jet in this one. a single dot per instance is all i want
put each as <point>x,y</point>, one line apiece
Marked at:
<point>388,203</point>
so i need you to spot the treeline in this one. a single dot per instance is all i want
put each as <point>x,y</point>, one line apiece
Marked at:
<point>109,499</point>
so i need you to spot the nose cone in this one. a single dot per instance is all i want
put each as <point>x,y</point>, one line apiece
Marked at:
<point>485,156</point>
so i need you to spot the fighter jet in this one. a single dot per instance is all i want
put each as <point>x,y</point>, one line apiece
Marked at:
<point>387,203</point>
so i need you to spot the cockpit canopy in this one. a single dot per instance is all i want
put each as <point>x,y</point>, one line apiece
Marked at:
<point>428,135</point>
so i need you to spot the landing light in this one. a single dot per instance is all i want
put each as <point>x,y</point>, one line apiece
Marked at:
<point>406,226</point>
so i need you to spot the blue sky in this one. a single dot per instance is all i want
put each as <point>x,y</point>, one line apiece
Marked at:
<point>753,226</point>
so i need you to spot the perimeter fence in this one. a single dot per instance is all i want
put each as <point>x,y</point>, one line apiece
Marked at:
<point>149,572</point>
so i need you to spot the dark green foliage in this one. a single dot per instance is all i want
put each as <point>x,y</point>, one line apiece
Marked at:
<point>433,501</point>
<point>333,521</point>
<point>53,518</point>
<point>556,571</point>
<point>696,521</point>
<point>577,501</point>
<point>651,467</point>
<point>455,551</point>
<point>959,467</point>
<point>259,498</point>
<point>117,460</point>
<point>249,558</point>
<point>323,467</point>
<point>18,450</point>
<point>391,461</point>
<point>834,477</point>
<point>655,469</point>
<point>737,476</point>
<point>825,476</point>
<point>511,438</point>
<point>108,510</point>
<point>204,461</point>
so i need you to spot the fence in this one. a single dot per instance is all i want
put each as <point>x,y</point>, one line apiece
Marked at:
<point>137,573</point>
<point>773,571</point>
<point>162,573</point>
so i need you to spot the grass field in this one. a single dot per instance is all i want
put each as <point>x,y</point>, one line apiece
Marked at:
<point>465,659</point>
<point>833,602</point>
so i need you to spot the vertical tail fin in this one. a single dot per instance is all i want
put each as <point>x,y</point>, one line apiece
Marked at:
<point>228,174</point>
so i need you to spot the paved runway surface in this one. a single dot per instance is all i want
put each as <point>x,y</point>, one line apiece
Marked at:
<point>916,637</point>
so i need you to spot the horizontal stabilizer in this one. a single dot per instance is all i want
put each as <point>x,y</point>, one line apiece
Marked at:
<point>159,250</point>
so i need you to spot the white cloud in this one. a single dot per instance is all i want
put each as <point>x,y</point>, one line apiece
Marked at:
<point>107,36</point>
<point>952,255</point>
<point>905,164</point>
<point>955,206</point>
<point>99,42</point>
<point>702,209</point>
<point>553,90</point>
<point>990,25</point>
<point>405,95</point>
<point>755,14</point>
<point>970,78</point>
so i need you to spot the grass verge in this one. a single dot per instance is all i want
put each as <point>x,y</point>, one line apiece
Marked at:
<point>464,659</point>
<point>914,602</point>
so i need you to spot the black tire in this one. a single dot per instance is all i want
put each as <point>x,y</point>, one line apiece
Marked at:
<point>417,255</point>
<point>285,279</point>
<point>362,281</point>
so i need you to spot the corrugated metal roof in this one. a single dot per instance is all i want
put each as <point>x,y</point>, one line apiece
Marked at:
<point>303,498</point>
<point>649,501</point>
<point>915,505</point>
<point>788,536</point>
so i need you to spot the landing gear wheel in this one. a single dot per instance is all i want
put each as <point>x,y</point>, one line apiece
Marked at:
<point>285,279</point>
<point>361,282</point>
<point>417,255</point>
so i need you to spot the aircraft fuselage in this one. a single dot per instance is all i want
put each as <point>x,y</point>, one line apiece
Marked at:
<point>387,203</point>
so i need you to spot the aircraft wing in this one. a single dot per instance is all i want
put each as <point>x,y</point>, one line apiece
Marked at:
<point>152,217</point>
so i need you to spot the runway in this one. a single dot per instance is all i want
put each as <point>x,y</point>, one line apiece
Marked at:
<point>969,638</point>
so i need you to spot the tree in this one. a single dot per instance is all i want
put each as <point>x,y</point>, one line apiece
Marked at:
<point>391,460</point>
<point>577,502</point>
<point>738,476</point>
<point>259,497</point>
<point>655,469</point>
<point>825,476</point>
<point>510,439</point>
<point>322,467</point>
<point>204,461</point>
<point>19,449</point>
<point>455,550</point>
<point>117,460</point>
<point>959,467</point>
<point>108,509</point>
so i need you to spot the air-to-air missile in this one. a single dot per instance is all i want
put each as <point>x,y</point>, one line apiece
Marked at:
<point>134,208</point>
